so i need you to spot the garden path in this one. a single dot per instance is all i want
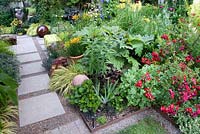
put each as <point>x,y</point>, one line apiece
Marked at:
<point>41,111</point>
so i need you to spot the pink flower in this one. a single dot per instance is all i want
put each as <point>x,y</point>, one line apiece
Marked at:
<point>165,37</point>
<point>198,88</point>
<point>171,92</point>
<point>194,81</point>
<point>182,48</point>
<point>185,96</point>
<point>183,66</point>
<point>139,84</point>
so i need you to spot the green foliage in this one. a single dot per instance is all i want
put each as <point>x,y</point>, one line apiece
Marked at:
<point>6,15</point>
<point>140,44</point>
<point>140,22</point>
<point>84,97</point>
<point>61,79</point>
<point>106,94</point>
<point>47,10</point>
<point>106,46</point>
<point>4,48</point>
<point>101,120</point>
<point>10,65</point>
<point>134,95</point>
<point>8,88</point>
<point>7,114</point>
<point>188,125</point>
<point>145,126</point>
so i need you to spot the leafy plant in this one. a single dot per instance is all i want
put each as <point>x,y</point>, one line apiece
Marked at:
<point>188,125</point>
<point>10,65</point>
<point>8,88</point>
<point>101,120</point>
<point>84,97</point>
<point>108,93</point>
<point>4,48</point>
<point>7,114</point>
<point>61,79</point>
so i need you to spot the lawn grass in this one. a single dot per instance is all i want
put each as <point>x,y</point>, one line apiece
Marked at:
<point>145,126</point>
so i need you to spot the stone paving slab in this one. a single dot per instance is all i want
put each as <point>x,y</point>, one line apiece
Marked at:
<point>22,36</point>
<point>75,127</point>
<point>24,45</point>
<point>39,108</point>
<point>31,68</point>
<point>28,57</point>
<point>43,47</point>
<point>33,84</point>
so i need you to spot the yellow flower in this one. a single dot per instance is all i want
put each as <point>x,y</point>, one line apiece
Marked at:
<point>146,19</point>
<point>121,5</point>
<point>75,17</point>
<point>85,16</point>
<point>136,6</point>
<point>67,44</point>
<point>75,40</point>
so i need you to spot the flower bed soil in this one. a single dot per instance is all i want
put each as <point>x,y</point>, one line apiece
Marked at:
<point>111,119</point>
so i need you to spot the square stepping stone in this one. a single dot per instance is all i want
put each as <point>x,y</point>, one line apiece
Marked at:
<point>33,84</point>
<point>39,108</point>
<point>31,68</point>
<point>28,57</point>
<point>24,45</point>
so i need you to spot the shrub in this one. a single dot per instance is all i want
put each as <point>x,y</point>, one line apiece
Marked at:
<point>10,65</point>
<point>84,97</point>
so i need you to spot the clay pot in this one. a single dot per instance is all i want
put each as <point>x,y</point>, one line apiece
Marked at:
<point>75,58</point>
<point>79,79</point>
<point>42,31</point>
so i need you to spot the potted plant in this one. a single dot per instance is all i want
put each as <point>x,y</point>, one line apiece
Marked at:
<point>75,48</point>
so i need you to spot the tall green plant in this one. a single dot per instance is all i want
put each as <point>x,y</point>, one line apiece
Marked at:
<point>8,88</point>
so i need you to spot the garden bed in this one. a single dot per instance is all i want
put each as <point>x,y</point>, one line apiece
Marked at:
<point>93,126</point>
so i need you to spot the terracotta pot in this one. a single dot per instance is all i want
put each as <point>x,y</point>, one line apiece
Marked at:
<point>75,58</point>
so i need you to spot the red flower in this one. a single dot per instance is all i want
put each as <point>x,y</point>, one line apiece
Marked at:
<point>155,56</point>
<point>149,96</point>
<point>139,84</point>
<point>165,37</point>
<point>197,60</point>
<point>148,77</point>
<point>146,61</point>
<point>171,92</point>
<point>147,89</point>
<point>174,40</point>
<point>189,58</point>
<point>189,110</point>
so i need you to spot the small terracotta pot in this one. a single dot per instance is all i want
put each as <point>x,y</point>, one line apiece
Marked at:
<point>75,58</point>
